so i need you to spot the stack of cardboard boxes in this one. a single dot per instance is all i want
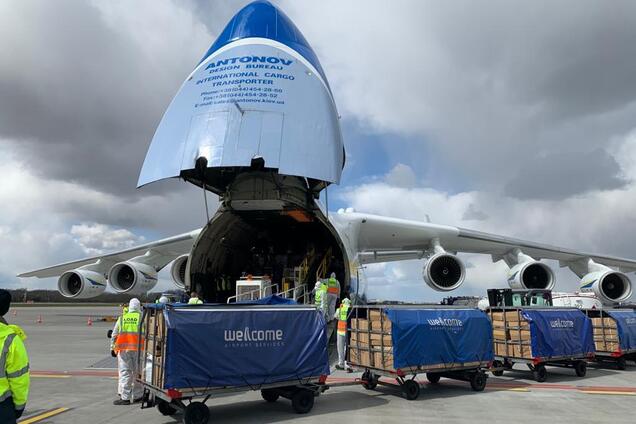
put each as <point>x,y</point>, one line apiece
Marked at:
<point>370,342</point>
<point>605,334</point>
<point>511,334</point>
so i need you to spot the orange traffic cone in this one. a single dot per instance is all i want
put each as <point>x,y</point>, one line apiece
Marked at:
<point>39,320</point>
<point>89,322</point>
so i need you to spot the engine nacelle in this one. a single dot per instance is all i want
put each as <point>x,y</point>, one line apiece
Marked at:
<point>531,275</point>
<point>444,272</point>
<point>178,271</point>
<point>81,284</point>
<point>609,286</point>
<point>132,277</point>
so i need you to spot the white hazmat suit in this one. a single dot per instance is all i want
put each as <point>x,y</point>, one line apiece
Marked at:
<point>127,363</point>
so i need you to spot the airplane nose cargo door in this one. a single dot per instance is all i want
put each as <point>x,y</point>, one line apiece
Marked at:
<point>234,136</point>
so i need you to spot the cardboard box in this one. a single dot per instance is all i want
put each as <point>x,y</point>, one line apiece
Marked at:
<point>607,322</point>
<point>606,338</point>
<point>509,315</point>
<point>360,357</point>
<point>606,330</point>
<point>383,360</point>
<point>380,339</point>
<point>383,326</point>
<point>606,347</point>
<point>376,315</point>
<point>360,324</point>
<point>519,335</point>
<point>515,350</point>
<point>358,337</point>
<point>499,334</point>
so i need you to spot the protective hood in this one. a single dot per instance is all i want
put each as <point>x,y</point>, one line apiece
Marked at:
<point>134,305</point>
<point>12,328</point>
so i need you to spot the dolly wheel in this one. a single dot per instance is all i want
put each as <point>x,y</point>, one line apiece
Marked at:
<point>270,395</point>
<point>165,408</point>
<point>303,401</point>
<point>478,381</point>
<point>499,372</point>
<point>371,381</point>
<point>580,367</point>
<point>411,389</point>
<point>539,373</point>
<point>196,413</point>
<point>433,377</point>
<point>621,363</point>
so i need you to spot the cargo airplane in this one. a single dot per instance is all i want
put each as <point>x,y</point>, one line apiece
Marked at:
<point>256,123</point>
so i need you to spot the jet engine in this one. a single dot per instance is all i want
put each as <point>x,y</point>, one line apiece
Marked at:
<point>132,277</point>
<point>81,284</point>
<point>609,286</point>
<point>178,271</point>
<point>444,272</point>
<point>531,275</point>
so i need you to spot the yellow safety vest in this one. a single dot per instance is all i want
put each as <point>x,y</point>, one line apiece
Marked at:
<point>128,337</point>
<point>332,286</point>
<point>195,301</point>
<point>14,365</point>
<point>319,293</point>
<point>342,319</point>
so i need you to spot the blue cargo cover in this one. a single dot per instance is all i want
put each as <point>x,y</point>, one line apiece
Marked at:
<point>626,322</point>
<point>243,346</point>
<point>432,336</point>
<point>555,333</point>
<point>270,300</point>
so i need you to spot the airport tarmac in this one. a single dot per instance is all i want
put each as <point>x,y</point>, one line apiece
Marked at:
<point>65,389</point>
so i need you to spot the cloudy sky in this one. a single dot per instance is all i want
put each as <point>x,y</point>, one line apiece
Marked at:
<point>512,117</point>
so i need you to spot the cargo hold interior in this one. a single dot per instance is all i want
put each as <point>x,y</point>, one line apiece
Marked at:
<point>237,243</point>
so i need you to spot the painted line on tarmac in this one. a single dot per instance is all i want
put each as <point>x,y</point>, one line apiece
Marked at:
<point>50,376</point>
<point>607,392</point>
<point>86,373</point>
<point>43,416</point>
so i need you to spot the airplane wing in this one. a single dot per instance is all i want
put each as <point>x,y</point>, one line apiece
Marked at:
<point>157,253</point>
<point>382,239</point>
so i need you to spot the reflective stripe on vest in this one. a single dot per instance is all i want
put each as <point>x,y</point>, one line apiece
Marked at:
<point>318,298</point>
<point>128,337</point>
<point>332,286</point>
<point>15,383</point>
<point>342,320</point>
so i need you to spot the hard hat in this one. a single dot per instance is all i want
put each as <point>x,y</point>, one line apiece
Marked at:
<point>318,284</point>
<point>346,301</point>
<point>333,275</point>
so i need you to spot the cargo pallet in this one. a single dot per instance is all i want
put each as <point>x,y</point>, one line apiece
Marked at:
<point>191,402</point>
<point>606,335</point>
<point>380,357</point>
<point>537,365</point>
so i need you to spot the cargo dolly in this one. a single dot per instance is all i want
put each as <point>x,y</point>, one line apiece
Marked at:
<point>512,345</point>
<point>173,384</point>
<point>611,347</point>
<point>192,402</point>
<point>371,352</point>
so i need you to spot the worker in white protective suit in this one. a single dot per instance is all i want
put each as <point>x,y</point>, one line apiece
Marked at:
<point>320,297</point>
<point>333,294</point>
<point>341,314</point>
<point>125,344</point>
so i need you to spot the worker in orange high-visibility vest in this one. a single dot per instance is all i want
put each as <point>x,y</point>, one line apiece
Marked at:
<point>125,343</point>
<point>333,294</point>
<point>341,314</point>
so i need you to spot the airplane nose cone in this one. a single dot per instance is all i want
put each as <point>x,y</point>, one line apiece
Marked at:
<point>261,19</point>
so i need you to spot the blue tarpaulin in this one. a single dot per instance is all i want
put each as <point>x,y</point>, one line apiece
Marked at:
<point>435,336</point>
<point>271,300</point>
<point>626,322</point>
<point>555,333</point>
<point>243,345</point>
